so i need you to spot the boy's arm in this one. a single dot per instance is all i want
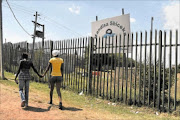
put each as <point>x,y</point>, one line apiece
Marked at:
<point>35,70</point>
<point>18,73</point>
<point>62,69</point>
<point>49,65</point>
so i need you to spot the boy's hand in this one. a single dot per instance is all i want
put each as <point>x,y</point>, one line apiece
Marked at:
<point>16,81</point>
<point>41,76</point>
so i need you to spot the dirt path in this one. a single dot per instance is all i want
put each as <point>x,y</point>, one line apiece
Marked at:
<point>39,109</point>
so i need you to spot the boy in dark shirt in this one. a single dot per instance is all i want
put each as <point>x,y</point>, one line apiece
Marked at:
<point>24,78</point>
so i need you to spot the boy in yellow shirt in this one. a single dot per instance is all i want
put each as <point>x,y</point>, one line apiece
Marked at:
<point>57,65</point>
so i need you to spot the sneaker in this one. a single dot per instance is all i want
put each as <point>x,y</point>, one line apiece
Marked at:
<point>60,105</point>
<point>26,105</point>
<point>23,103</point>
<point>50,102</point>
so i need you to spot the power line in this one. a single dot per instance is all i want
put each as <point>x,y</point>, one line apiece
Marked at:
<point>50,19</point>
<point>61,25</point>
<point>26,12</point>
<point>24,8</point>
<point>18,9</point>
<point>17,19</point>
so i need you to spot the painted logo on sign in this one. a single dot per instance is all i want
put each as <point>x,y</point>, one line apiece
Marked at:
<point>109,33</point>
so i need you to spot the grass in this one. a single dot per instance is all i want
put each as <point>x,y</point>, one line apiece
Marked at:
<point>96,104</point>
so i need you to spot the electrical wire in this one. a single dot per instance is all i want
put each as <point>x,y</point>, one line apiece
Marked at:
<point>17,19</point>
<point>25,12</point>
<point>18,9</point>
<point>50,19</point>
<point>55,22</point>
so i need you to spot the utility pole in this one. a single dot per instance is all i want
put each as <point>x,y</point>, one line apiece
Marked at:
<point>41,35</point>
<point>1,44</point>
<point>34,36</point>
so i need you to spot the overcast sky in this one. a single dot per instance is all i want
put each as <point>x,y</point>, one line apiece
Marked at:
<point>68,19</point>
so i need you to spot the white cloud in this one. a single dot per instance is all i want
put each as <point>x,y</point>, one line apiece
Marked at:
<point>171,16</point>
<point>75,9</point>
<point>132,20</point>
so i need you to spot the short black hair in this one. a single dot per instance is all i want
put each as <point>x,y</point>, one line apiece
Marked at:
<point>25,55</point>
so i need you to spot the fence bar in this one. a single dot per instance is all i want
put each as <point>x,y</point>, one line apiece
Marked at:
<point>105,59</point>
<point>119,66</point>
<point>154,85</point>
<point>80,64</point>
<point>62,51</point>
<point>11,56</point>
<point>66,61</point>
<point>140,70</point>
<point>78,71</point>
<point>76,62</point>
<point>71,61</point>
<point>127,67</point>
<point>144,82</point>
<point>159,76</point>
<point>87,59</point>
<point>69,65</point>
<point>111,68</point>
<point>83,63</point>
<point>164,71</point>
<point>122,69</point>
<point>130,94</point>
<point>64,80</point>
<point>94,65</point>
<point>99,68</point>
<point>149,72</point>
<point>169,85</point>
<point>66,64</point>
<point>176,56</point>
<point>108,68</point>
<point>102,63</point>
<point>135,70</point>
<point>115,68</point>
<point>91,43</point>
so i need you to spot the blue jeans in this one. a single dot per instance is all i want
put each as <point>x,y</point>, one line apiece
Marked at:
<point>24,84</point>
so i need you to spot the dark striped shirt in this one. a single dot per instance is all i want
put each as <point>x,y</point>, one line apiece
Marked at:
<point>25,66</point>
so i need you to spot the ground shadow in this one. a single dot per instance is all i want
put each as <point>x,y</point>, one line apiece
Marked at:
<point>68,108</point>
<point>36,109</point>
<point>71,109</point>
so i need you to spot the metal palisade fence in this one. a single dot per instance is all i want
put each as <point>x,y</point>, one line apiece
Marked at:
<point>137,68</point>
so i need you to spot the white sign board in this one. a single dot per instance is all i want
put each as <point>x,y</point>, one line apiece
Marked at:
<point>111,27</point>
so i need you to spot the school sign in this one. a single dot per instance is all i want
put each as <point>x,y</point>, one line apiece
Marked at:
<point>115,26</point>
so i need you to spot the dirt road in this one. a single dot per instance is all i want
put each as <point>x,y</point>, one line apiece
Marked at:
<point>39,109</point>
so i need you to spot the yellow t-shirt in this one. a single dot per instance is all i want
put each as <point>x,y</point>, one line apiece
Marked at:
<point>56,66</point>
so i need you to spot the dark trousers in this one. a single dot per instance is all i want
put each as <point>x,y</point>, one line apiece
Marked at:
<point>55,80</point>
